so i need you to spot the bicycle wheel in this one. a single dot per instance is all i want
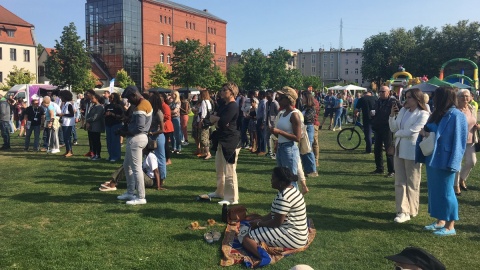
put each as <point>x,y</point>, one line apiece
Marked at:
<point>349,139</point>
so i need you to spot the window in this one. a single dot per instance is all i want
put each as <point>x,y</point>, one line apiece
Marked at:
<point>26,55</point>
<point>161,57</point>
<point>190,24</point>
<point>324,74</point>
<point>41,71</point>
<point>356,80</point>
<point>214,49</point>
<point>314,70</point>
<point>168,59</point>
<point>313,58</point>
<point>193,26</point>
<point>346,71</point>
<point>168,40</point>
<point>186,24</point>
<point>324,64</point>
<point>13,54</point>
<point>162,38</point>
<point>11,33</point>
<point>331,74</point>
<point>346,61</point>
<point>356,61</point>
<point>331,64</point>
<point>165,19</point>
<point>169,20</point>
<point>187,40</point>
<point>1,53</point>
<point>214,31</point>
<point>208,30</point>
<point>325,56</point>
<point>356,71</point>
<point>161,19</point>
<point>303,65</point>
<point>331,56</point>
<point>1,77</point>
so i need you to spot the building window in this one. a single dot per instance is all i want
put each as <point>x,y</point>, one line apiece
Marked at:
<point>162,39</point>
<point>356,71</point>
<point>169,20</point>
<point>193,26</point>
<point>11,33</point>
<point>331,74</point>
<point>186,40</point>
<point>324,64</point>
<point>26,55</point>
<point>208,30</point>
<point>313,58</point>
<point>303,65</point>
<point>1,77</point>
<point>169,42</point>
<point>1,53</point>
<point>324,74</point>
<point>325,56</point>
<point>168,59</point>
<point>331,64</point>
<point>165,19</point>
<point>190,25</point>
<point>13,54</point>
<point>331,56</point>
<point>214,48</point>
<point>346,71</point>
<point>356,61</point>
<point>356,80</point>
<point>186,24</point>
<point>346,61</point>
<point>314,70</point>
<point>161,58</point>
<point>161,19</point>
<point>41,71</point>
<point>214,31</point>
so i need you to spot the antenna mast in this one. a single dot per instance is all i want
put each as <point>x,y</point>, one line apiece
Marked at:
<point>340,45</point>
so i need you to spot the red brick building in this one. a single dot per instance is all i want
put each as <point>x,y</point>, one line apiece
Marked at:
<point>136,35</point>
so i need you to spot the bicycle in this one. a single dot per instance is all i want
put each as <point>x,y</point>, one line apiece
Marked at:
<point>349,138</point>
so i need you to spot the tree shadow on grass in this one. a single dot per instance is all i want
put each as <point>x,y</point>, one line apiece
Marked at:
<point>45,197</point>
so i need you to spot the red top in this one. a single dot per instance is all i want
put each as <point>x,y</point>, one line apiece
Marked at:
<point>167,118</point>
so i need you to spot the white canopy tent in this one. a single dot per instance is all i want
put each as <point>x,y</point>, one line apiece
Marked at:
<point>335,88</point>
<point>352,89</point>
<point>115,90</point>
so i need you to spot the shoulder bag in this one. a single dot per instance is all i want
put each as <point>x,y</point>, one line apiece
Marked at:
<point>427,144</point>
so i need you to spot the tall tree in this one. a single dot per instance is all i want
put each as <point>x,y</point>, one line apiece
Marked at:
<point>276,68</point>
<point>123,79</point>
<point>313,81</point>
<point>69,63</point>
<point>40,49</point>
<point>19,76</point>
<point>254,69</point>
<point>192,63</point>
<point>215,80</point>
<point>235,74</point>
<point>159,76</point>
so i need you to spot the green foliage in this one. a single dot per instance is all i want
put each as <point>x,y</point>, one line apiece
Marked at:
<point>235,74</point>
<point>216,79</point>
<point>313,81</point>
<point>192,64</point>
<point>69,63</point>
<point>276,68</point>
<point>122,79</point>
<point>40,49</point>
<point>19,76</point>
<point>255,69</point>
<point>421,51</point>
<point>159,76</point>
<point>88,83</point>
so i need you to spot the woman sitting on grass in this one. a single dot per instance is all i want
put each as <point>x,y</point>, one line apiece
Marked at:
<point>286,224</point>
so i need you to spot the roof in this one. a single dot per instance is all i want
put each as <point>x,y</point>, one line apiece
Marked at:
<point>49,51</point>
<point>202,13</point>
<point>7,17</point>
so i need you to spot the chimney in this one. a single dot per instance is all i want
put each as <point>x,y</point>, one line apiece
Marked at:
<point>206,10</point>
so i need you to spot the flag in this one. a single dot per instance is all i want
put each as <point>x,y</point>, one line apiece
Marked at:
<point>112,82</point>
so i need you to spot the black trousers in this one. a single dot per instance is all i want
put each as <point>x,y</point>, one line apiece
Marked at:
<point>383,140</point>
<point>96,143</point>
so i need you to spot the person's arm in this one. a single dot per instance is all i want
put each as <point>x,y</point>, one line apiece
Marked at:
<point>272,221</point>
<point>156,174</point>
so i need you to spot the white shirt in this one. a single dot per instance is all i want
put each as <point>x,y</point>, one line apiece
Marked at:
<point>150,164</point>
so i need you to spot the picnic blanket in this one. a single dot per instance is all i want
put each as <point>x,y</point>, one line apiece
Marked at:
<point>233,252</point>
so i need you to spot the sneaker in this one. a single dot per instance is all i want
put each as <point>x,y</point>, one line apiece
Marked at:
<point>107,188</point>
<point>402,218</point>
<point>313,174</point>
<point>54,151</point>
<point>95,158</point>
<point>390,174</point>
<point>233,203</point>
<point>127,197</point>
<point>273,156</point>
<point>43,149</point>
<point>136,201</point>
<point>224,202</point>
<point>185,143</point>
<point>75,143</point>
<point>433,227</point>
<point>445,232</point>
<point>213,195</point>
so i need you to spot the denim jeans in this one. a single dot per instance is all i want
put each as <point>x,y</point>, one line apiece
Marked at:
<point>74,134</point>
<point>262,147</point>
<point>67,137</point>
<point>113,142</point>
<point>308,160</point>
<point>36,137</point>
<point>177,134</point>
<point>61,138</point>
<point>288,156</point>
<point>161,157</point>
<point>338,118</point>
<point>132,164</point>
<point>243,131</point>
<point>5,126</point>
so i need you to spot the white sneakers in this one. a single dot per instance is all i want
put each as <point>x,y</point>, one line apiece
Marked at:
<point>227,202</point>
<point>54,151</point>
<point>402,217</point>
<point>137,201</point>
<point>131,199</point>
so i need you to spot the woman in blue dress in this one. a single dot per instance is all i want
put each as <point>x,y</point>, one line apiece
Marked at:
<point>450,127</point>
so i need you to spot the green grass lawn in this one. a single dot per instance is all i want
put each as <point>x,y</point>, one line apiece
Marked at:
<point>52,215</point>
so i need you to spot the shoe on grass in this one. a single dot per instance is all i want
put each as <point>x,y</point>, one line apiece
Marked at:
<point>445,232</point>
<point>208,237</point>
<point>107,188</point>
<point>224,202</point>
<point>127,197</point>
<point>433,227</point>
<point>402,217</point>
<point>136,201</point>
<point>213,195</point>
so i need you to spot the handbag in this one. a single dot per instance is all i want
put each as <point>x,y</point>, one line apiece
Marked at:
<point>152,144</point>
<point>427,144</point>
<point>477,143</point>
<point>391,149</point>
<point>304,143</point>
<point>236,214</point>
<point>206,121</point>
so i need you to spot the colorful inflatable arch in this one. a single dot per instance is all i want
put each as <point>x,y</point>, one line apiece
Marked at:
<point>473,82</point>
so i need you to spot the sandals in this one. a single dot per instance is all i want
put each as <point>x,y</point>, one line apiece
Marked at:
<point>212,236</point>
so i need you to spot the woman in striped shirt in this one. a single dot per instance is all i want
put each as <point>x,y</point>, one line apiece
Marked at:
<point>286,224</point>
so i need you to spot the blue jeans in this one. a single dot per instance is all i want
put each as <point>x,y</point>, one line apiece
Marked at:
<point>36,137</point>
<point>74,134</point>
<point>161,157</point>
<point>367,132</point>
<point>61,138</point>
<point>287,156</point>
<point>243,131</point>
<point>338,118</point>
<point>67,137</point>
<point>113,142</point>
<point>5,127</point>
<point>177,134</point>
<point>262,147</point>
<point>308,160</point>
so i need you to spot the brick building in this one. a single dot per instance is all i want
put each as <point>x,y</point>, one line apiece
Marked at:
<point>137,34</point>
<point>17,44</point>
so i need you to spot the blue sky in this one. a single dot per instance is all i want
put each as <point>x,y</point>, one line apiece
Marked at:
<point>269,24</point>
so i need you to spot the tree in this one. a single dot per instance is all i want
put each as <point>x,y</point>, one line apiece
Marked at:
<point>215,80</point>
<point>254,69</point>
<point>276,68</point>
<point>40,49</point>
<point>19,76</point>
<point>191,63</point>
<point>294,79</point>
<point>235,74</point>
<point>69,63</point>
<point>313,81</point>
<point>159,76</point>
<point>123,79</point>
<point>89,82</point>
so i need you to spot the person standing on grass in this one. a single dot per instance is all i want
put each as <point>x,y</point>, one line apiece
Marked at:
<point>260,124</point>
<point>405,125</point>
<point>52,126</point>
<point>329,104</point>
<point>138,127</point>
<point>365,105</point>
<point>113,122</point>
<point>383,135</point>
<point>316,126</point>
<point>86,109</point>
<point>184,115</point>
<point>272,111</point>
<point>308,111</point>
<point>95,125</point>
<point>5,123</point>
<point>451,131</point>
<point>68,121</point>
<point>34,116</point>
<point>175,105</point>
<point>228,146</point>
<point>156,133</point>
<point>168,126</point>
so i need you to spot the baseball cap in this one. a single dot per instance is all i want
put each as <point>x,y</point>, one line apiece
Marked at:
<point>418,257</point>
<point>289,92</point>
